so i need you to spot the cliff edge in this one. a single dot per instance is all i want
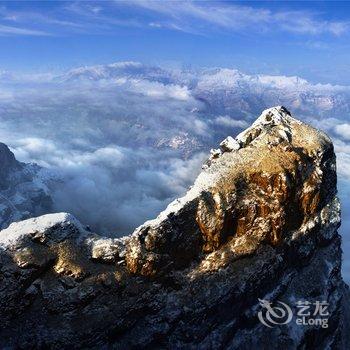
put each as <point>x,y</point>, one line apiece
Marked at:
<point>257,231</point>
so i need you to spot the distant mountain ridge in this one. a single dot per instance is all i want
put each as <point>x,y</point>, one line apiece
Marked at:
<point>219,92</point>
<point>207,83</point>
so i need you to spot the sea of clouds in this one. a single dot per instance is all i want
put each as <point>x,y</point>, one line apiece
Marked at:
<point>125,139</point>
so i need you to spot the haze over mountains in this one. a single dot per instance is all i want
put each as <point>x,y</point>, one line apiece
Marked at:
<point>126,138</point>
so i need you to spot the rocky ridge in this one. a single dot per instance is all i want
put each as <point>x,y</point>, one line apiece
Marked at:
<point>260,222</point>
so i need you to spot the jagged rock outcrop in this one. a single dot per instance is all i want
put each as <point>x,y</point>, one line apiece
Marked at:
<point>260,222</point>
<point>23,189</point>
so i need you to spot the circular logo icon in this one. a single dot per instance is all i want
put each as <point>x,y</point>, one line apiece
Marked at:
<point>271,316</point>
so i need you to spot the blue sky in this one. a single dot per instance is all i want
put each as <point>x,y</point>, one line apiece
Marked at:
<point>309,39</point>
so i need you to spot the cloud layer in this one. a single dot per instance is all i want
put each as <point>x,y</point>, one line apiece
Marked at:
<point>125,139</point>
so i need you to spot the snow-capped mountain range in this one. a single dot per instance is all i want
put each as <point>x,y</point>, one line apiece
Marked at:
<point>227,86</point>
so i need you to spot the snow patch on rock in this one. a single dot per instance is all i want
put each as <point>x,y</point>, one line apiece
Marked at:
<point>19,230</point>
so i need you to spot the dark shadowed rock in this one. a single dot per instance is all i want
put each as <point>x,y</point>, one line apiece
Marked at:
<point>23,189</point>
<point>260,222</point>
<point>8,164</point>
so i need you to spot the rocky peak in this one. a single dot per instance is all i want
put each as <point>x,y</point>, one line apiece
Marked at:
<point>8,164</point>
<point>24,189</point>
<point>6,156</point>
<point>269,184</point>
<point>260,222</point>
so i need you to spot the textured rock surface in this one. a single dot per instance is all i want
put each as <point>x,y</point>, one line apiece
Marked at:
<point>260,222</point>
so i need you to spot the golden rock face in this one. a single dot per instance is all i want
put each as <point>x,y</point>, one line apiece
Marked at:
<point>260,205</point>
<point>264,190</point>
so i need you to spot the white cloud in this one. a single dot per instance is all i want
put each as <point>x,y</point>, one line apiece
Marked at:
<point>101,138</point>
<point>343,165</point>
<point>233,17</point>
<point>9,30</point>
<point>158,90</point>
<point>343,130</point>
<point>225,120</point>
<point>196,17</point>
